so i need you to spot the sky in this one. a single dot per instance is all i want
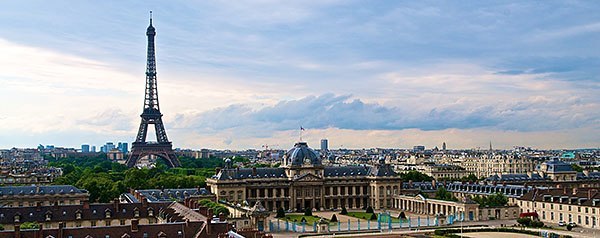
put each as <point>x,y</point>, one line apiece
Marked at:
<point>364,74</point>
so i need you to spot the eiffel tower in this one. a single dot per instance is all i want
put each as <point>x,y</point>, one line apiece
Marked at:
<point>151,115</point>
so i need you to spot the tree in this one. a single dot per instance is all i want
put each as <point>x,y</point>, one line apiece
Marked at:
<point>308,212</point>
<point>344,211</point>
<point>280,213</point>
<point>30,225</point>
<point>373,217</point>
<point>369,209</point>
<point>537,224</point>
<point>334,218</point>
<point>577,168</point>
<point>569,227</point>
<point>1,227</point>
<point>415,176</point>
<point>443,194</point>
<point>470,177</point>
<point>525,221</point>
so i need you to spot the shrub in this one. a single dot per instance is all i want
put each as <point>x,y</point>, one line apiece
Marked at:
<point>308,212</point>
<point>280,213</point>
<point>525,221</point>
<point>334,218</point>
<point>369,209</point>
<point>30,225</point>
<point>344,211</point>
<point>373,217</point>
<point>569,227</point>
<point>537,224</point>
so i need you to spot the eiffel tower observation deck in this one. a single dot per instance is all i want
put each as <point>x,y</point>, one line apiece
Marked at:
<point>151,115</point>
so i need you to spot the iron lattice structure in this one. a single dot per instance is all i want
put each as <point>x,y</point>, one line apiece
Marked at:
<point>151,116</point>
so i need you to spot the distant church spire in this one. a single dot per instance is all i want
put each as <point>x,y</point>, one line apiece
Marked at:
<point>491,147</point>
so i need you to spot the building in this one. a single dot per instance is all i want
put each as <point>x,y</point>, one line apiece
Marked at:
<point>115,155</point>
<point>578,205</point>
<point>93,149</point>
<point>85,148</point>
<point>418,148</point>
<point>123,147</point>
<point>31,196</point>
<point>484,165</point>
<point>465,209</point>
<point>303,182</point>
<point>443,171</point>
<point>161,220</point>
<point>324,145</point>
<point>107,147</point>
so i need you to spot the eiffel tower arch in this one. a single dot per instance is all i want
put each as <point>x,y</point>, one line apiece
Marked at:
<point>151,116</point>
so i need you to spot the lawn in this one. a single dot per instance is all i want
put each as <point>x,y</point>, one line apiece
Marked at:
<point>367,216</point>
<point>298,218</point>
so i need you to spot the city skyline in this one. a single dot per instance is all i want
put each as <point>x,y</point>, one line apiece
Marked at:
<point>244,74</point>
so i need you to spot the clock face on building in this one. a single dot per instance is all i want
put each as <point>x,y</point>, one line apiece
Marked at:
<point>306,160</point>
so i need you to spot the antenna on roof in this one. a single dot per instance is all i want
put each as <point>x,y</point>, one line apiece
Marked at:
<point>150,17</point>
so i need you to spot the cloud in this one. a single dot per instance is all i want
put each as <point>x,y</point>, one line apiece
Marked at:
<point>345,112</point>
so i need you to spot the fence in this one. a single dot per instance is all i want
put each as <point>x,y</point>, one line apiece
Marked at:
<point>384,222</point>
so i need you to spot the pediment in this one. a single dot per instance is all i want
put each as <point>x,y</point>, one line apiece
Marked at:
<point>308,178</point>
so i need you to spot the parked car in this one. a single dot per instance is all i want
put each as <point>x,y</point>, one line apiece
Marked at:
<point>562,223</point>
<point>573,224</point>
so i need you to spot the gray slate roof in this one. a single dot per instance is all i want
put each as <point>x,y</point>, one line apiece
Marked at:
<point>40,190</point>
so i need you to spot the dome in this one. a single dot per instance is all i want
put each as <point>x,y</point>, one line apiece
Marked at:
<point>301,154</point>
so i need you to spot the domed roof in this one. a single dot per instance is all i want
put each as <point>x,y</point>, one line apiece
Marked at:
<point>301,154</point>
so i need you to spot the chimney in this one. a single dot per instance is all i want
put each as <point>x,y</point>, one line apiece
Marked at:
<point>210,213</point>
<point>17,230</point>
<point>591,193</point>
<point>86,204</point>
<point>134,225</point>
<point>254,171</point>
<point>203,210</point>
<point>116,204</point>
<point>144,201</point>
<point>61,232</point>
<point>56,205</point>
<point>38,206</point>
<point>565,190</point>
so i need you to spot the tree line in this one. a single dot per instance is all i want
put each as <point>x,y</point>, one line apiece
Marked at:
<point>106,180</point>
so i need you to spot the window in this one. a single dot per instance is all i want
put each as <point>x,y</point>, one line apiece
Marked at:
<point>122,222</point>
<point>78,215</point>
<point>17,218</point>
<point>150,212</point>
<point>136,213</point>
<point>93,223</point>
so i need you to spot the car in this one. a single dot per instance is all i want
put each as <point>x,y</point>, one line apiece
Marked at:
<point>572,224</point>
<point>562,223</point>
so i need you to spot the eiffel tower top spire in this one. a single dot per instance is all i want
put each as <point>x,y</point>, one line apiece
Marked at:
<point>151,105</point>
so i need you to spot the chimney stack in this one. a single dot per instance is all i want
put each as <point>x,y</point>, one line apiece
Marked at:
<point>86,204</point>
<point>116,204</point>
<point>254,171</point>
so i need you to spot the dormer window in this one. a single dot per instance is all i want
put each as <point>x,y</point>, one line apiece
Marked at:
<point>48,216</point>
<point>78,215</point>
<point>136,212</point>
<point>150,212</point>
<point>17,218</point>
<point>107,214</point>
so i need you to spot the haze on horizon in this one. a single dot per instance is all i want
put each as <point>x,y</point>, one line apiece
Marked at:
<point>241,74</point>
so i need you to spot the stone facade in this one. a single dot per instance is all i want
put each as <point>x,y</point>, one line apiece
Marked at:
<point>304,182</point>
